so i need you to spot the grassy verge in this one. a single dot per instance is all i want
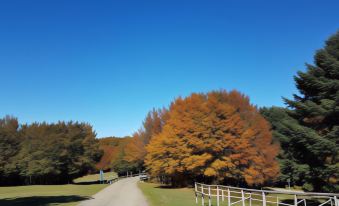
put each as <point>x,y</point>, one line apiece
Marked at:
<point>160,196</point>
<point>46,195</point>
<point>95,177</point>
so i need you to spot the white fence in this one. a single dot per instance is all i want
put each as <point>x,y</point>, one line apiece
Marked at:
<point>111,181</point>
<point>225,195</point>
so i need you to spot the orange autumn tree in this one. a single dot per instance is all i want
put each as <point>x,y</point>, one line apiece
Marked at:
<point>152,125</point>
<point>216,136</point>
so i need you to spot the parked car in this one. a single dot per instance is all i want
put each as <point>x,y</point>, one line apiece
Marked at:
<point>144,177</point>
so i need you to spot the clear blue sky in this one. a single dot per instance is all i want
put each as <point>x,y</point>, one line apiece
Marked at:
<point>109,62</point>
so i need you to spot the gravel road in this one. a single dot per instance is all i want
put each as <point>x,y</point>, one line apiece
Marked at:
<point>125,192</point>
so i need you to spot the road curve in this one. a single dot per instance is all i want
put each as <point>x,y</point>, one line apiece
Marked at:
<point>125,192</point>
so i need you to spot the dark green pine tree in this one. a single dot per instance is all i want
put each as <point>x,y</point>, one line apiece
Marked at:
<point>9,147</point>
<point>313,130</point>
<point>294,143</point>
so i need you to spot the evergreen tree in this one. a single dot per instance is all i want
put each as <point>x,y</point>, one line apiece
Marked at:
<point>42,153</point>
<point>310,132</point>
<point>9,147</point>
<point>294,145</point>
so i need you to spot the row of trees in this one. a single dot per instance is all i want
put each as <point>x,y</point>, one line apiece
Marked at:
<point>221,137</point>
<point>42,153</point>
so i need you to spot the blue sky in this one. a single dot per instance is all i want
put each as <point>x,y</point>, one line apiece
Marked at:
<point>109,62</point>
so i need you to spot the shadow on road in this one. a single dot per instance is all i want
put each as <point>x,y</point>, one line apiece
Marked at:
<point>41,200</point>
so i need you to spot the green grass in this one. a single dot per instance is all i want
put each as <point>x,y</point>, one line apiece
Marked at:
<point>46,195</point>
<point>95,177</point>
<point>159,196</point>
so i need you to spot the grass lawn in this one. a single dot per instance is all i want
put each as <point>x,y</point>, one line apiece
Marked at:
<point>160,196</point>
<point>95,177</point>
<point>46,195</point>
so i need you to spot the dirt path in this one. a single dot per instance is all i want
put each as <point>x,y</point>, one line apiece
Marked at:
<point>125,192</point>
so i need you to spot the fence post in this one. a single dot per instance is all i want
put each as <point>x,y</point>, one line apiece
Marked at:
<point>217,195</point>
<point>336,203</point>
<point>243,197</point>
<point>229,196</point>
<point>250,199</point>
<point>277,201</point>
<point>196,194</point>
<point>222,195</point>
<point>209,195</point>
<point>202,195</point>
<point>295,200</point>
<point>263,199</point>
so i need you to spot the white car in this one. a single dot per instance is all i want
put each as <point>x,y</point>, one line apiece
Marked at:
<point>144,177</point>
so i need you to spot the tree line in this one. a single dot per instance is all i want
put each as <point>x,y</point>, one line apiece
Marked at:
<point>42,153</point>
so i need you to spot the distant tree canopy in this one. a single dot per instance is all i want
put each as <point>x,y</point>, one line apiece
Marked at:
<point>42,153</point>
<point>152,125</point>
<point>218,135</point>
<point>111,147</point>
<point>127,154</point>
<point>309,131</point>
<point>114,155</point>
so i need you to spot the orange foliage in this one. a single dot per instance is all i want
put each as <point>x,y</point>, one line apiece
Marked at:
<point>135,149</point>
<point>218,134</point>
<point>113,149</point>
<point>152,125</point>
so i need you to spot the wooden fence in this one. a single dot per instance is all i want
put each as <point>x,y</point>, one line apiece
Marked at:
<point>115,179</point>
<point>235,196</point>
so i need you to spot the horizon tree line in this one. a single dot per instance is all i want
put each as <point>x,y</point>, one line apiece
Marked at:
<point>42,153</point>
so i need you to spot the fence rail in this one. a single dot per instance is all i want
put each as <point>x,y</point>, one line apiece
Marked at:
<point>226,195</point>
<point>115,179</point>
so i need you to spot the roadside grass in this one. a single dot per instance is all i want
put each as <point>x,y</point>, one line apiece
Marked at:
<point>162,196</point>
<point>95,177</point>
<point>46,195</point>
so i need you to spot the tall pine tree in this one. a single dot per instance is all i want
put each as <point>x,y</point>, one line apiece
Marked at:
<point>312,124</point>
